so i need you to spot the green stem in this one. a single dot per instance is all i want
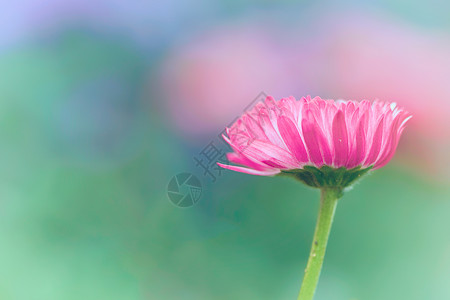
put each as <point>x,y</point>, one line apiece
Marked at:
<point>328,201</point>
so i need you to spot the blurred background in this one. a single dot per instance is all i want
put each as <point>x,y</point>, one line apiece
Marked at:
<point>103,102</point>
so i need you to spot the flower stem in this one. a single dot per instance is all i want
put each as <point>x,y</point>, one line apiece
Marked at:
<point>328,201</point>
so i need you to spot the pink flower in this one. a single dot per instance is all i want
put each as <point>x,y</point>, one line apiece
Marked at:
<point>276,136</point>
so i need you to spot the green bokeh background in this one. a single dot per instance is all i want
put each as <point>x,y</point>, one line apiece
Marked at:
<point>87,153</point>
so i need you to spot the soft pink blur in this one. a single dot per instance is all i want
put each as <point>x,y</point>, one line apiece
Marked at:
<point>208,81</point>
<point>392,63</point>
<point>364,58</point>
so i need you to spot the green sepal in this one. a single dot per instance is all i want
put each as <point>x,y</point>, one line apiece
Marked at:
<point>327,177</point>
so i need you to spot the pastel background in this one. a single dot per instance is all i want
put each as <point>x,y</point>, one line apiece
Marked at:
<point>103,102</point>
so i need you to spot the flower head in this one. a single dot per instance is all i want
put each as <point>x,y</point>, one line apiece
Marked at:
<point>321,142</point>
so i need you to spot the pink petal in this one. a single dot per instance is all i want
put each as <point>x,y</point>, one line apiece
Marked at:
<point>292,139</point>
<point>249,171</point>
<point>340,139</point>
<point>253,127</point>
<point>349,110</point>
<point>240,158</point>
<point>357,155</point>
<point>315,142</point>
<point>394,139</point>
<point>376,144</point>
<point>262,151</point>
<point>269,129</point>
<point>244,161</point>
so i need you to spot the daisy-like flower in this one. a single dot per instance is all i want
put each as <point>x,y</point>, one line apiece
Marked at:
<point>324,143</point>
<point>318,141</point>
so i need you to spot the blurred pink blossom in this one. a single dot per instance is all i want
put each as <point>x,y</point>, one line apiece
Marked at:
<point>363,58</point>
<point>210,79</point>
<point>375,58</point>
